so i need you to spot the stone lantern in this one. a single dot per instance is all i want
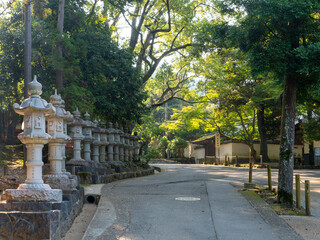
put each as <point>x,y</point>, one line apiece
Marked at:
<point>96,142</point>
<point>117,143</point>
<point>66,120</point>
<point>87,132</point>
<point>136,146</point>
<point>126,145</point>
<point>77,136</point>
<point>121,145</point>
<point>56,178</point>
<point>104,142</point>
<point>110,131</point>
<point>34,136</point>
<point>131,147</point>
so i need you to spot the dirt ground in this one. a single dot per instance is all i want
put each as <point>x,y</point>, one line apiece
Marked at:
<point>81,222</point>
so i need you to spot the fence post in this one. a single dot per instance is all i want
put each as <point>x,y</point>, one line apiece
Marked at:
<point>269,178</point>
<point>298,192</point>
<point>250,172</point>
<point>307,196</point>
<point>236,160</point>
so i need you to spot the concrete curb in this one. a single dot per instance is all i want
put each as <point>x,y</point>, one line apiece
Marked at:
<point>279,226</point>
<point>102,220</point>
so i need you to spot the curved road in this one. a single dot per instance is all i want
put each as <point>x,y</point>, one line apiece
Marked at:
<point>183,202</point>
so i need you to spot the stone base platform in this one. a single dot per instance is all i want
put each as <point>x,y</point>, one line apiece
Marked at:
<point>40,220</point>
<point>95,170</point>
<point>30,225</point>
<point>33,195</point>
<point>61,181</point>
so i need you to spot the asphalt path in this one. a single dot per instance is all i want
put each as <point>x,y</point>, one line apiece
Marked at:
<point>185,202</point>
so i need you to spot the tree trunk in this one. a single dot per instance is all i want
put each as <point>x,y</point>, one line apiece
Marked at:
<point>311,147</point>
<point>11,137</point>
<point>27,60</point>
<point>59,72</point>
<point>27,47</point>
<point>262,133</point>
<point>166,112</point>
<point>285,178</point>
<point>252,153</point>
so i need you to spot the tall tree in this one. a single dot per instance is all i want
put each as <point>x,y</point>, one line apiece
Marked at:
<point>158,29</point>
<point>280,36</point>
<point>27,46</point>
<point>59,72</point>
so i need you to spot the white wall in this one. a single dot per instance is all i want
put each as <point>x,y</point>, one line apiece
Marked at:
<point>224,150</point>
<point>240,149</point>
<point>199,153</point>
<point>191,149</point>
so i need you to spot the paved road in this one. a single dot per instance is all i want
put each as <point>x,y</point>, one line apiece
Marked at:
<point>184,202</point>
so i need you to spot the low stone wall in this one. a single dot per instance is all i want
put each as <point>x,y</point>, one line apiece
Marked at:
<point>40,220</point>
<point>91,175</point>
<point>124,175</point>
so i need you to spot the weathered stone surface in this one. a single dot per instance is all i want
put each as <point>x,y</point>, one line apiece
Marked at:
<point>30,225</point>
<point>30,195</point>
<point>35,214</point>
<point>61,181</point>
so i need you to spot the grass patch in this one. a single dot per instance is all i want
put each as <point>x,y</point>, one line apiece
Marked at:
<point>271,199</point>
<point>279,208</point>
<point>85,185</point>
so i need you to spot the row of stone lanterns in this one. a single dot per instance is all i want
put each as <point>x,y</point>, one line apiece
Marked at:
<point>121,146</point>
<point>36,112</point>
<point>101,145</point>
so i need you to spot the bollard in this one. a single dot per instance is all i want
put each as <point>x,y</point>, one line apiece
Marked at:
<point>269,178</point>
<point>250,172</point>
<point>236,160</point>
<point>261,160</point>
<point>298,192</point>
<point>307,197</point>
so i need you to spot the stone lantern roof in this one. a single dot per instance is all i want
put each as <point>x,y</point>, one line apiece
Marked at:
<point>110,129</point>
<point>55,121</point>
<point>34,110</point>
<point>34,102</point>
<point>69,116</point>
<point>77,118</point>
<point>87,128</point>
<point>59,105</point>
<point>96,133</point>
<point>89,124</point>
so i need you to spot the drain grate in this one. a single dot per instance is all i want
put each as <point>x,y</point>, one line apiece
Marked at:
<point>188,199</point>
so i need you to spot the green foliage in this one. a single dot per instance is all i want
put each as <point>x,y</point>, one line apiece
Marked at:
<point>279,37</point>
<point>163,143</point>
<point>99,77</point>
<point>176,147</point>
<point>152,154</point>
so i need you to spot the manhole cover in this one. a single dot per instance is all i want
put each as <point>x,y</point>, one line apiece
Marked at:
<point>188,199</point>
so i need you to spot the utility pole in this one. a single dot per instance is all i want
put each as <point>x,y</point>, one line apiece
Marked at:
<point>59,72</point>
